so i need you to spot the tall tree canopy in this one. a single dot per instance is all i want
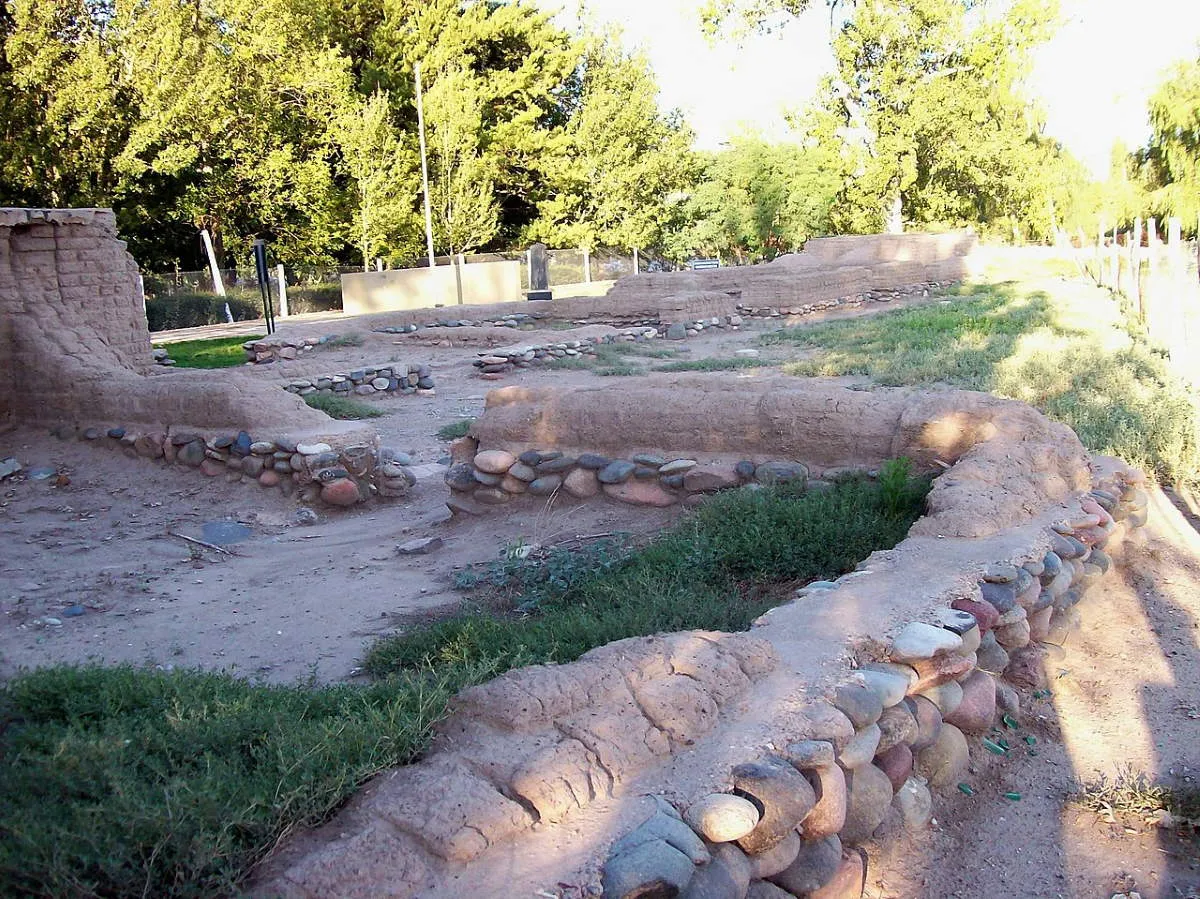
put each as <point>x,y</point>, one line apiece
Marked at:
<point>756,200</point>
<point>928,108</point>
<point>1171,160</point>
<point>295,121</point>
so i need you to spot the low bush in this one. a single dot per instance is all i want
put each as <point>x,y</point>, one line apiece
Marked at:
<point>341,407</point>
<point>193,310</point>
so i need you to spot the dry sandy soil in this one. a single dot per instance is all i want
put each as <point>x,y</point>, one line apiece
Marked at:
<point>304,600</point>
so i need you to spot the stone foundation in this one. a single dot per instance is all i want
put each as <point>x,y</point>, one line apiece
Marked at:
<point>376,380</point>
<point>351,470</point>
<point>757,764</point>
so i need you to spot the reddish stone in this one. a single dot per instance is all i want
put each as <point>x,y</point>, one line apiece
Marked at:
<point>897,764</point>
<point>640,493</point>
<point>1039,624</point>
<point>1025,667</point>
<point>985,613</point>
<point>849,881</point>
<point>212,468</point>
<point>929,720</point>
<point>942,668</point>
<point>340,492</point>
<point>268,479</point>
<point>977,710</point>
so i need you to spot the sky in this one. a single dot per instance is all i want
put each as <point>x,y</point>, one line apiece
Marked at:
<point>1093,78</point>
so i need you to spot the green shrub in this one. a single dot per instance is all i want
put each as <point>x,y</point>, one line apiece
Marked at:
<point>455,429</point>
<point>341,407</point>
<point>305,298</point>
<point>193,310</point>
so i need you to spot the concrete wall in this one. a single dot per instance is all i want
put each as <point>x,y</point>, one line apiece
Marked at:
<point>419,288</point>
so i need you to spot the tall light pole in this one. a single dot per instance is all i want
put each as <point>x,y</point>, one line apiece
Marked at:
<point>424,168</point>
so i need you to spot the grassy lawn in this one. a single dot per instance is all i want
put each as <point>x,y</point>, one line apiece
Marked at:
<point>1066,352</point>
<point>217,352</point>
<point>123,782</point>
<point>341,407</point>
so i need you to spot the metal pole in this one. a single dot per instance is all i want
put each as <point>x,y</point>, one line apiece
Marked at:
<point>424,168</point>
<point>264,283</point>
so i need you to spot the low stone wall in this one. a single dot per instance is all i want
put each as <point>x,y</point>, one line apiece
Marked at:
<point>347,470</point>
<point>376,380</point>
<point>705,764</point>
<point>494,477</point>
<point>267,350</point>
<point>827,268</point>
<point>825,427</point>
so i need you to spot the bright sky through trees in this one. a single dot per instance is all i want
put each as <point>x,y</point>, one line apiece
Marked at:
<point>1094,77</point>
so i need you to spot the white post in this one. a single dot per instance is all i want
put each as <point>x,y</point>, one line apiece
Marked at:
<point>636,267</point>
<point>587,266</point>
<point>142,291</point>
<point>378,263</point>
<point>218,284</point>
<point>424,168</point>
<point>529,268</point>
<point>281,283</point>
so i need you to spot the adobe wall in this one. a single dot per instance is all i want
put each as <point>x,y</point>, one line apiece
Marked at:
<point>699,435</point>
<point>75,355</point>
<point>826,269</point>
<point>754,764</point>
<point>75,346</point>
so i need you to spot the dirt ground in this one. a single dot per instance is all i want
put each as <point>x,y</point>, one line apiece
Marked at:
<point>1125,693</point>
<point>297,601</point>
<point>304,600</point>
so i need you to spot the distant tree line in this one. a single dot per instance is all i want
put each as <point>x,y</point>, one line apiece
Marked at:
<point>296,121</point>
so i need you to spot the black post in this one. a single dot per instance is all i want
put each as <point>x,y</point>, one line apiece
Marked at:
<point>539,273</point>
<point>264,283</point>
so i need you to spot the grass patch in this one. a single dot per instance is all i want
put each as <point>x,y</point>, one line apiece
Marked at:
<point>614,359</point>
<point>342,408</point>
<point>1055,352</point>
<point>714,364</point>
<point>1133,794</point>
<point>345,340</point>
<point>737,556</point>
<point>455,429</point>
<point>125,782</point>
<point>216,352</point>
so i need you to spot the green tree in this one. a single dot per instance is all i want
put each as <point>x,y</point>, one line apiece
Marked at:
<point>1171,160</point>
<point>620,167</point>
<point>462,171</point>
<point>929,109</point>
<point>756,200</point>
<point>384,181</point>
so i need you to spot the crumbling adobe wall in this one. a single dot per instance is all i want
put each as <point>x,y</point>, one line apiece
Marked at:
<point>75,348</point>
<point>704,764</point>
<point>827,268</point>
